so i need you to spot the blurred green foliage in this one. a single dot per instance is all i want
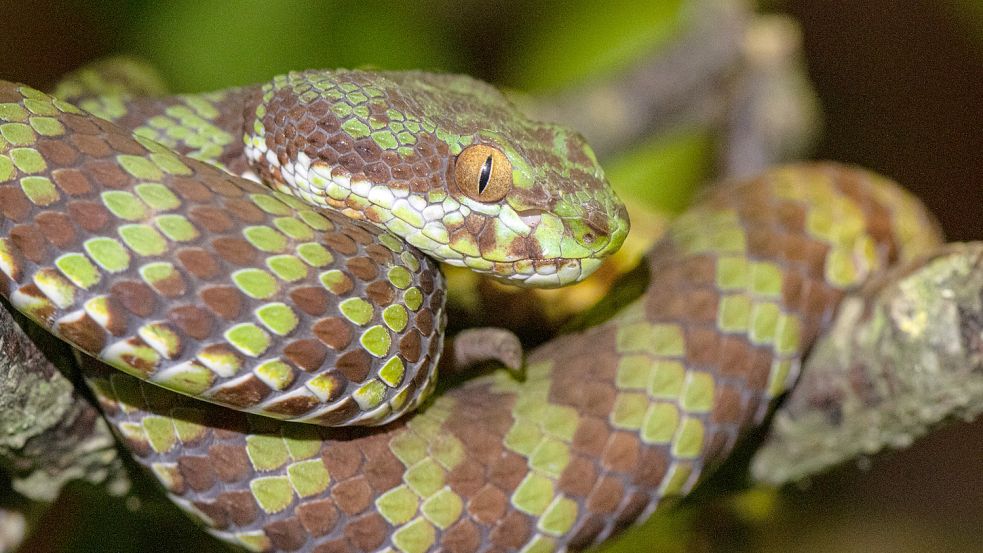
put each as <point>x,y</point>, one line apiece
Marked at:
<point>209,45</point>
<point>664,171</point>
<point>578,41</point>
<point>532,45</point>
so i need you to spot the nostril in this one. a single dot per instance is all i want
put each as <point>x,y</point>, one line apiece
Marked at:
<point>589,238</point>
<point>598,223</point>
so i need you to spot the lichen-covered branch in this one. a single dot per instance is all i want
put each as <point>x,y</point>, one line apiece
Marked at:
<point>49,434</point>
<point>898,361</point>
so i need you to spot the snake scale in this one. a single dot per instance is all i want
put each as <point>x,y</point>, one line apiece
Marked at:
<point>608,422</point>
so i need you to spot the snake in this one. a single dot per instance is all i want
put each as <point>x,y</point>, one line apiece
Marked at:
<point>280,309</point>
<point>608,424</point>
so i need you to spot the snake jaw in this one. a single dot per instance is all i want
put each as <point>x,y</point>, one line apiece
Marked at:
<point>397,168</point>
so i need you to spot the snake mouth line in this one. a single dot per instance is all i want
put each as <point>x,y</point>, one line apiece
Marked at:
<point>542,273</point>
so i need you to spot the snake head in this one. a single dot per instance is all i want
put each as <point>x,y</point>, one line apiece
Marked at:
<point>445,162</point>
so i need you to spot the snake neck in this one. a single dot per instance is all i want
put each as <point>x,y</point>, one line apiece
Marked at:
<point>208,127</point>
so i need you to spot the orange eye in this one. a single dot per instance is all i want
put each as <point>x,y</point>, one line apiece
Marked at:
<point>483,173</point>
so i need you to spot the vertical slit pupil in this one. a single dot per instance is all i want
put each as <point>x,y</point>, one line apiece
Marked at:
<point>485,175</point>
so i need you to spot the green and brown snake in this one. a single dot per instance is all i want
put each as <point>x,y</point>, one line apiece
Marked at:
<point>319,302</point>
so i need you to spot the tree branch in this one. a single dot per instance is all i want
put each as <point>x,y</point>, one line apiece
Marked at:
<point>898,361</point>
<point>49,433</point>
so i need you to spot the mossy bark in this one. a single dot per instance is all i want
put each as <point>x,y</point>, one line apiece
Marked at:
<point>901,358</point>
<point>49,433</point>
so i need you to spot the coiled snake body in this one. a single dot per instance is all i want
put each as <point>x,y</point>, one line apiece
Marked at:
<point>607,423</point>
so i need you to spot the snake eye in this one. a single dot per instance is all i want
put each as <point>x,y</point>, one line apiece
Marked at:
<point>483,173</point>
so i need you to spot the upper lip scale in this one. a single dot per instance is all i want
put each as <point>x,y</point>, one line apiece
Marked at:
<point>531,217</point>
